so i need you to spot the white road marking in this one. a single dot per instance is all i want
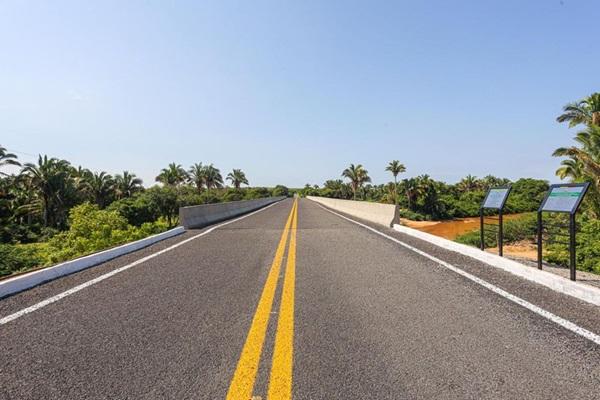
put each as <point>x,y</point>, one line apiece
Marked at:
<point>100,278</point>
<point>515,299</point>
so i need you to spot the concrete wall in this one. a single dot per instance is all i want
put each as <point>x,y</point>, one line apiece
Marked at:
<point>384,214</point>
<point>206,214</point>
<point>21,282</point>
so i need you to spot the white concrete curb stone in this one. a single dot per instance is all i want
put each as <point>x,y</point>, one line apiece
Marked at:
<point>34,278</point>
<point>578,290</point>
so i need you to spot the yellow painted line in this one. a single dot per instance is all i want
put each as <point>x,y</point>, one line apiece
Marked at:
<point>245,373</point>
<point>280,383</point>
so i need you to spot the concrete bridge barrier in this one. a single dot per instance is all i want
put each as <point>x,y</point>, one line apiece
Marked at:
<point>207,214</point>
<point>384,214</point>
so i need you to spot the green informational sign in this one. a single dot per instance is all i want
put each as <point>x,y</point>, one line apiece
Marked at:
<point>564,198</point>
<point>496,197</point>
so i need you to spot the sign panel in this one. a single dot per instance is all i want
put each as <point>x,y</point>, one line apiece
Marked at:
<point>564,198</point>
<point>496,197</point>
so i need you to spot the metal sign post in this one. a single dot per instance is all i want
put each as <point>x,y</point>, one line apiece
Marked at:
<point>562,198</point>
<point>495,199</point>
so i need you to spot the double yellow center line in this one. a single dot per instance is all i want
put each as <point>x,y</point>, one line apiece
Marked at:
<point>280,382</point>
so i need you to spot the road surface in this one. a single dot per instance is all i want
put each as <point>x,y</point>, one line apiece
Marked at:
<point>294,301</point>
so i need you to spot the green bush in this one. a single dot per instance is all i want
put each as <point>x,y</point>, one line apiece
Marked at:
<point>526,195</point>
<point>474,239</point>
<point>467,204</point>
<point>157,202</point>
<point>588,247</point>
<point>210,197</point>
<point>164,201</point>
<point>280,190</point>
<point>16,258</point>
<point>257,193</point>
<point>92,230</point>
<point>137,210</point>
<point>515,230</point>
<point>233,195</point>
<point>525,228</point>
<point>408,214</point>
<point>14,232</point>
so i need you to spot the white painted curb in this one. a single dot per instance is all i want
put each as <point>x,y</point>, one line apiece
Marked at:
<point>578,290</point>
<point>34,278</point>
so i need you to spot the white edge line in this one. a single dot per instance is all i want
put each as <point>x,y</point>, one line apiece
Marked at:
<point>20,283</point>
<point>100,278</point>
<point>515,299</point>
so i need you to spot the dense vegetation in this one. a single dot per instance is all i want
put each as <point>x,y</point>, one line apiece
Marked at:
<point>52,211</point>
<point>517,230</point>
<point>423,198</point>
<point>581,163</point>
<point>525,229</point>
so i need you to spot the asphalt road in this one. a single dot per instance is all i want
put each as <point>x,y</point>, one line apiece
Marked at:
<point>295,301</point>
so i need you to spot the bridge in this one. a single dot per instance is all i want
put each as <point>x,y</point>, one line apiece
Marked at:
<point>296,300</point>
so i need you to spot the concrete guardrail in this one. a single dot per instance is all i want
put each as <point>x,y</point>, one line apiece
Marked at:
<point>384,214</point>
<point>25,281</point>
<point>207,214</point>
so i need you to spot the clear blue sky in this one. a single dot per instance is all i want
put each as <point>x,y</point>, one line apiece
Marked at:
<point>292,92</point>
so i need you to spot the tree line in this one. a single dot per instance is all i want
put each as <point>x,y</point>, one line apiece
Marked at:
<point>36,201</point>
<point>51,210</point>
<point>423,198</point>
<point>201,176</point>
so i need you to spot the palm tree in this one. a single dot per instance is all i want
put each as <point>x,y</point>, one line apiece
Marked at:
<point>237,177</point>
<point>51,179</point>
<point>18,205</point>
<point>389,193</point>
<point>570,168</point>
<point>587,154</point>
<point>413,189</point>
<point>196,174</point>
<point>586,111</point>
<point>173,175</point>
<point>101,187</point>
<point>395,168</point>
<point>7,159</point>
<point>337,189</point>
<point>81,177</point>
<point>358,176</point>
<point>427,200</point>
<point>126,185</point>
<point>212,177</point>
<point>469,183</point>
<point>489,181</point>
<point>583,162</point>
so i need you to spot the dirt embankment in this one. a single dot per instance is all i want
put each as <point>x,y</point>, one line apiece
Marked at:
<point>454,228</point>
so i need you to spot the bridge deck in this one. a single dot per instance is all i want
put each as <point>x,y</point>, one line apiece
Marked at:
<point>369,320</point>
